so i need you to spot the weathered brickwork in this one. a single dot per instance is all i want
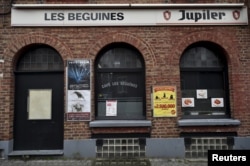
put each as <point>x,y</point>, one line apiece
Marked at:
<point>161,48</point>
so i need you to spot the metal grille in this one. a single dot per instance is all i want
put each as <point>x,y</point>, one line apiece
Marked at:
<point>120,58</point>
<point>121,148</point>
<point>41,58</point>
<point>200,57</point>
<point>198,147</point>
<point>5,6</point>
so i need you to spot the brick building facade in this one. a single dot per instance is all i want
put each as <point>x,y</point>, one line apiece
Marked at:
<point>161,51</point>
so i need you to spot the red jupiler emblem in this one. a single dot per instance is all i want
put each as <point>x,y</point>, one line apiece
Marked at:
<point>236,14</point>
<point>167,15</point>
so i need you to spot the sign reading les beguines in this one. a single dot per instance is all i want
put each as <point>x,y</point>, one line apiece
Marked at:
<point>128,17</point>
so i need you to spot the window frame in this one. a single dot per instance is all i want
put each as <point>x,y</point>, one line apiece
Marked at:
<point>223,70</point>
<point>138,71</point>
<point>30,58</point>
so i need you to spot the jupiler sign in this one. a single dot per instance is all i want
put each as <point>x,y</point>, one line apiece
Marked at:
<point>128,17</point>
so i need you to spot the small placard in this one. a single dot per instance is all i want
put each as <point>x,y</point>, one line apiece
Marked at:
<point>217,102</point>
<point>187,102</point>
<point>201,94</point>
<point>39,104</point>
<point>111,108</point>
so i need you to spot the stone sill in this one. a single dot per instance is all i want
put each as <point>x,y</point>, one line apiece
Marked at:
<point>208,122</point>
<point>36,152</point>
<point>120,123</point>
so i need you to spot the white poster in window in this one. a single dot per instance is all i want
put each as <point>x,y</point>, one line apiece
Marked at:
<point>217,102</point>
<point>187,102</point>
<point>39,104</point>
<point>201,93</point>
<point>111,108</point>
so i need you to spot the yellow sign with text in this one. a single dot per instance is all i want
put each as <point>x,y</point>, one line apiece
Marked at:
<point>164,101</point>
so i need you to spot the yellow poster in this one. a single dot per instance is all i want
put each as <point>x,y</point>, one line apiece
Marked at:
<point>164,101</point>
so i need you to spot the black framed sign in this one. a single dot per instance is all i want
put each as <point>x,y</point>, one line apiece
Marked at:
<point>78,90</point>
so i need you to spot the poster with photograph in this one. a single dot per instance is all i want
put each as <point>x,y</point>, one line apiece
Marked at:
<point>201,93</point>
<point>217,102</point>
<point>78,74</point>
<point>188,102</point>
<point>164,101</point>
<point>78,90</point>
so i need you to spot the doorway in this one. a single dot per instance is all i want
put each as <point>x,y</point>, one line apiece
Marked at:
<point>39,100</point>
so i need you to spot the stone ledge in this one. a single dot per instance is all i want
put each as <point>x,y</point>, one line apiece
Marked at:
<point>36,152</point>
<point>208,122</point>
<point>120,123</point>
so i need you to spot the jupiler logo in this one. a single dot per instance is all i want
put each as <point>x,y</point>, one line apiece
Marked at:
<point>167,15</point>
<point>236,14</point>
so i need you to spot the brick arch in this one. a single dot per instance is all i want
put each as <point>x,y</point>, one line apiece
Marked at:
<point>10,55</point>
<point>220,38</point>
<point>16,45</point>
<point>139,44</point>
<point>227,43</point>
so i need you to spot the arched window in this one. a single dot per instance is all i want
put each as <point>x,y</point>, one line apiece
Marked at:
<point>40,58</point>
<point>204,81</point>
<point>120,83</point>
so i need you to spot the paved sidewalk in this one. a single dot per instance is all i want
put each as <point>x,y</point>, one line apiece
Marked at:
<point>102,162</point>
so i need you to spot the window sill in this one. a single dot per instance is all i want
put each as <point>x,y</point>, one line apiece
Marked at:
<point>208,122</point>
<point>36,152</point>
<point>120,123</point>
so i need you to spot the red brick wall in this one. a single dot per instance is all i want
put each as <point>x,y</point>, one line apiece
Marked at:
<point>161,48</point>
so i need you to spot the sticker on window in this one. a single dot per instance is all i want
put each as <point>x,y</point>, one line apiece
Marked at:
<point>187,102</point>
<point>111,108</point>
<point>217,102</point>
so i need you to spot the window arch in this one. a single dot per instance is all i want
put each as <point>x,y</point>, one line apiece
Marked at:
<point>204,81</point>
<point>40,58</point>
<point>120,79</point>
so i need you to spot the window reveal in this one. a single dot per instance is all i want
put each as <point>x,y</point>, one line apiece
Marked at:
<point>120,77</point>
<point>202,67</point>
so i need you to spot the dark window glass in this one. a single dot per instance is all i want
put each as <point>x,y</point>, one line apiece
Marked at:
<point>120,77</point>
<point>40,58</point>
<point>203,67</point>
<point>200,57</point>
<point>120,58</point>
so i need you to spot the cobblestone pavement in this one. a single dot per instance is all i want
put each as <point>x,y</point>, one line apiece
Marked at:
<point>102,162</point>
